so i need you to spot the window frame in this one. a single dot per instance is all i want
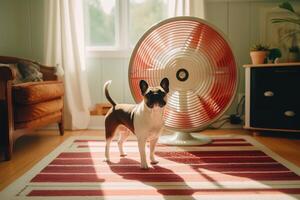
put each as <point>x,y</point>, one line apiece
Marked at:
<point>122,47</point>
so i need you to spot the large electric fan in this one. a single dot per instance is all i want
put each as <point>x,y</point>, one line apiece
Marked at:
<point>200,65</point>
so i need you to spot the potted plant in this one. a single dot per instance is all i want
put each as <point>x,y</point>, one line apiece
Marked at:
<point>296,16</point>
<point>293,53</point>
<point>259,53</point>
<point>274,54</point>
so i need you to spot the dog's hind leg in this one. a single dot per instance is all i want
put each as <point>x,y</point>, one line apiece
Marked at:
<point>107,146</point>
<point>109,135</point>
<point>123,135</point>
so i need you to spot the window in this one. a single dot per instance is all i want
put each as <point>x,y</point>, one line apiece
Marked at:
<point>142,15</point>
<point>100,22</point>
<point>118,24</point>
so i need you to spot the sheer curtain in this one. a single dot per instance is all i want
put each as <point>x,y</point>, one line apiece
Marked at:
<point>64,46</point>
<point>193,8</point>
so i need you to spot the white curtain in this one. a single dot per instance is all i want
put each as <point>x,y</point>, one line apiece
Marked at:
<point>64,46</point>
<point>193,8</point>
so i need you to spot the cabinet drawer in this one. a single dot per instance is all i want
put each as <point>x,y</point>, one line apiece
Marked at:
<point>275,97</point>
<point>273,87</point>
<point>276,118</point>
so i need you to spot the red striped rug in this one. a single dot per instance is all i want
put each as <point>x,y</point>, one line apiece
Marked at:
<point>228,168</point>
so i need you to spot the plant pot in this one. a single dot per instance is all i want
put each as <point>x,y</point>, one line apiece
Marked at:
<point>258,57</point>
<point>293,57</point>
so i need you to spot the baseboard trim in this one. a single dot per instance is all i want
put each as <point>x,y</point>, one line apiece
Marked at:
<point>96,122</point>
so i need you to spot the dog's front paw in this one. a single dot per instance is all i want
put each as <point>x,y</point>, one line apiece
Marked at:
<point>144,166</point>
<point>154,162</point>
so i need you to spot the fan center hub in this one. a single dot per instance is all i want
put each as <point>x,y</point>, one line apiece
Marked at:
<point>182,74</point>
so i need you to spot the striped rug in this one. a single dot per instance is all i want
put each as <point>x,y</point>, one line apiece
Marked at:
<point>231,167</point>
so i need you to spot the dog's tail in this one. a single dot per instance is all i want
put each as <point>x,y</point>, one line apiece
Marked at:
<point>105,89</point>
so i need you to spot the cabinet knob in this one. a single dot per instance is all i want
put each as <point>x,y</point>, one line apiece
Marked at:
<point>268,93</point>
<point>289,113</point>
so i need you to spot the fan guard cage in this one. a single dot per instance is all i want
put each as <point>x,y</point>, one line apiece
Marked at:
<point>199,63</point>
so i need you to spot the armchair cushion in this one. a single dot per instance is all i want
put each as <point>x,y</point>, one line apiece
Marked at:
<point>34,111</point>
<point>35,92</point>
<point>25,71</point>
<point>30,71</point>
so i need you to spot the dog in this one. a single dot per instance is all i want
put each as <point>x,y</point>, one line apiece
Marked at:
<point>145,119</point>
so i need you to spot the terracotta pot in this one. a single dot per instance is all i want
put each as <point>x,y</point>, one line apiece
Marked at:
<point>258,57</point>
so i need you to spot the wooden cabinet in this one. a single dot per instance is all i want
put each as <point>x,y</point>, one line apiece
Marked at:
<point>273,97</point>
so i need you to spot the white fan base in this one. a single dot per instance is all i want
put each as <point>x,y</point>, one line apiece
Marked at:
<point>184,139</point>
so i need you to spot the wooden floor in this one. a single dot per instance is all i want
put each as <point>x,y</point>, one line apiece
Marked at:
<point>30,149</point>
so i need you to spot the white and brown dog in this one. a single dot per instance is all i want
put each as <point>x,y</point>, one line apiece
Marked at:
<point>145,119</point>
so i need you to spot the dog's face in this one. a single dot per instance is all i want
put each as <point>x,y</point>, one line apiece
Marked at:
<point>155,96</point>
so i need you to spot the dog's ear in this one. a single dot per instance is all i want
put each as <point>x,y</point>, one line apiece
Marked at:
<point>143,86</point>
<point>165,84</point>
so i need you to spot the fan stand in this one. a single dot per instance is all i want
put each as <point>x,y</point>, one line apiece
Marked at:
<point>184,139</point>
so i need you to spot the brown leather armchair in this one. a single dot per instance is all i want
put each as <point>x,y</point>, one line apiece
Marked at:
<point>27,106</point>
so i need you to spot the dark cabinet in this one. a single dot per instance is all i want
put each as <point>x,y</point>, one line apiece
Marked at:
<point>273,97</point>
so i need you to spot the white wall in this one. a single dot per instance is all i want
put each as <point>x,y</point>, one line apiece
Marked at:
<point>102,69</point>
<point>8,27</point>
<point>21,34</point>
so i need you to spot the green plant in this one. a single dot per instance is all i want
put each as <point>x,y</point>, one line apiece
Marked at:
<point>288,7</point>
<point>259,47</point>
<point>295,19</point>
<point>274,53</point>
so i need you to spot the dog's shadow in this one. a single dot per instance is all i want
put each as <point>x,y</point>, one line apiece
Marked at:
<point>153,177</point>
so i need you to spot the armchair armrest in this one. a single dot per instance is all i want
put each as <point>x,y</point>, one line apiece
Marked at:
<point>48,72</point>
<point>7,75</point>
